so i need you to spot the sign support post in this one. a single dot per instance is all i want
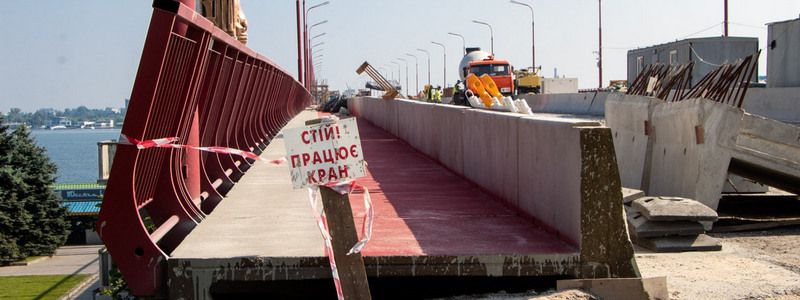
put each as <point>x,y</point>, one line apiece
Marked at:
<point>342,229</point>
<point>313,150</point>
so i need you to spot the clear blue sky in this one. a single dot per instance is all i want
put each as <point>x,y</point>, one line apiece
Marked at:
<point>68,53</point>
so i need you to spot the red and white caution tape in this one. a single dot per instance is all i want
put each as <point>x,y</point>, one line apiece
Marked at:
<point>342,188</point>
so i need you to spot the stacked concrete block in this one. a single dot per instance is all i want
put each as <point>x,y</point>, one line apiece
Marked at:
<point>670,224</point>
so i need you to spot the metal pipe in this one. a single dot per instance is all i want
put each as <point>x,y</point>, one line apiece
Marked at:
<point>444,63</point>
<point>491,33</point>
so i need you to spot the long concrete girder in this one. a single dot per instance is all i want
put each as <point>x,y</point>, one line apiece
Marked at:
<point>429,222</point>
<point>687,148</point>
<point>560,172</point>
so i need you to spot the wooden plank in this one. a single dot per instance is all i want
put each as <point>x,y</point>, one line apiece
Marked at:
<point>342,229</point>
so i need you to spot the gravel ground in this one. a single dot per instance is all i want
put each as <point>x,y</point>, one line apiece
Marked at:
<point>751,265</point>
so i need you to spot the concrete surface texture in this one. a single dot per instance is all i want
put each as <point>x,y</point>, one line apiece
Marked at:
<point>67,260</point>
<point>691,145</point>
<point>684,243</point>
<point>541,166</point>
<point>559,85</point>
<point>689,155</point>
<point>775,103</point>
<point>768,151</point>
<point>568,103</point>
<point>629,117</point>
<point>641,227</point>
<point>660,208</point>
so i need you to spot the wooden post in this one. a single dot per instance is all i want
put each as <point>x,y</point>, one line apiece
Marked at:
<point>342,228</point>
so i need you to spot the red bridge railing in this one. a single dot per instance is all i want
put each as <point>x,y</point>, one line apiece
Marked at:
<point>198,84</point>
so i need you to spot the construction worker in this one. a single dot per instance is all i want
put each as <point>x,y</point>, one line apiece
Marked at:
<point>458,94</point>
<point>429,93</point>
<point>437,96</point>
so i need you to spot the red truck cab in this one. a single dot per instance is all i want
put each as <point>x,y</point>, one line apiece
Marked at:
<point>500,71</point>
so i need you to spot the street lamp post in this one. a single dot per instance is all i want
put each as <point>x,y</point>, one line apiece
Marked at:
<point>491,33</point>
<point>309,71</point>
<point>316,36</point>
<point>299,45</point>
<point>463,41</point>
<point>405,61</point>
<point>600,44</point>
<point>429,63</point>
<point>444,62</point>
<point>398,73</point>
<point>309,49</point>
<point>533,43</point>
<point>416,71</point>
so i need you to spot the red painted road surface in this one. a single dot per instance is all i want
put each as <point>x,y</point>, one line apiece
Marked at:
<point>424,209</point>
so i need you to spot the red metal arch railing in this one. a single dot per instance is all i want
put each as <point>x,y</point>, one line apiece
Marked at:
<point>198,84</point>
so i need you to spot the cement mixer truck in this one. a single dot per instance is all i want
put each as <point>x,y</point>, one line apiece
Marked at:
<point>479,63</point>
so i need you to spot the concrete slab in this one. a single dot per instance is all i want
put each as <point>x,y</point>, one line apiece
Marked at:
<point>691,154</point>
<point>568,103</point>
<point>740,185</point>
<point>447,127</point>
<point>629,118</point>
<point>640,227</point>
<point>491,152</point>
<point>549,171</point>
<point>768,151</point>
<point>628,195</point>
<point>680,243</point>
<point>673,209</point>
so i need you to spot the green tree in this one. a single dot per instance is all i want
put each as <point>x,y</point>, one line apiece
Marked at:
<point>14,219</point>
<point>49,229</point>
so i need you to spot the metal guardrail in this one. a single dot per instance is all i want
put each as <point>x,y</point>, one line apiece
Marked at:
<point>196,83</point>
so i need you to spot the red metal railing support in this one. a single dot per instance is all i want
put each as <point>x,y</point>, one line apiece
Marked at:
<point>204,87</point>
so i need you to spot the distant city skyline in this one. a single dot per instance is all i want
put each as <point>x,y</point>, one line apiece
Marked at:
<point>63,54</point>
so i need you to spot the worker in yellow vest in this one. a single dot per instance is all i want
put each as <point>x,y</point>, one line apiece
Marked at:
<point>437,95</point>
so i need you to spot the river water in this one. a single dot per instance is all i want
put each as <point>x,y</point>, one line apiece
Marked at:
<point>74,151</point>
